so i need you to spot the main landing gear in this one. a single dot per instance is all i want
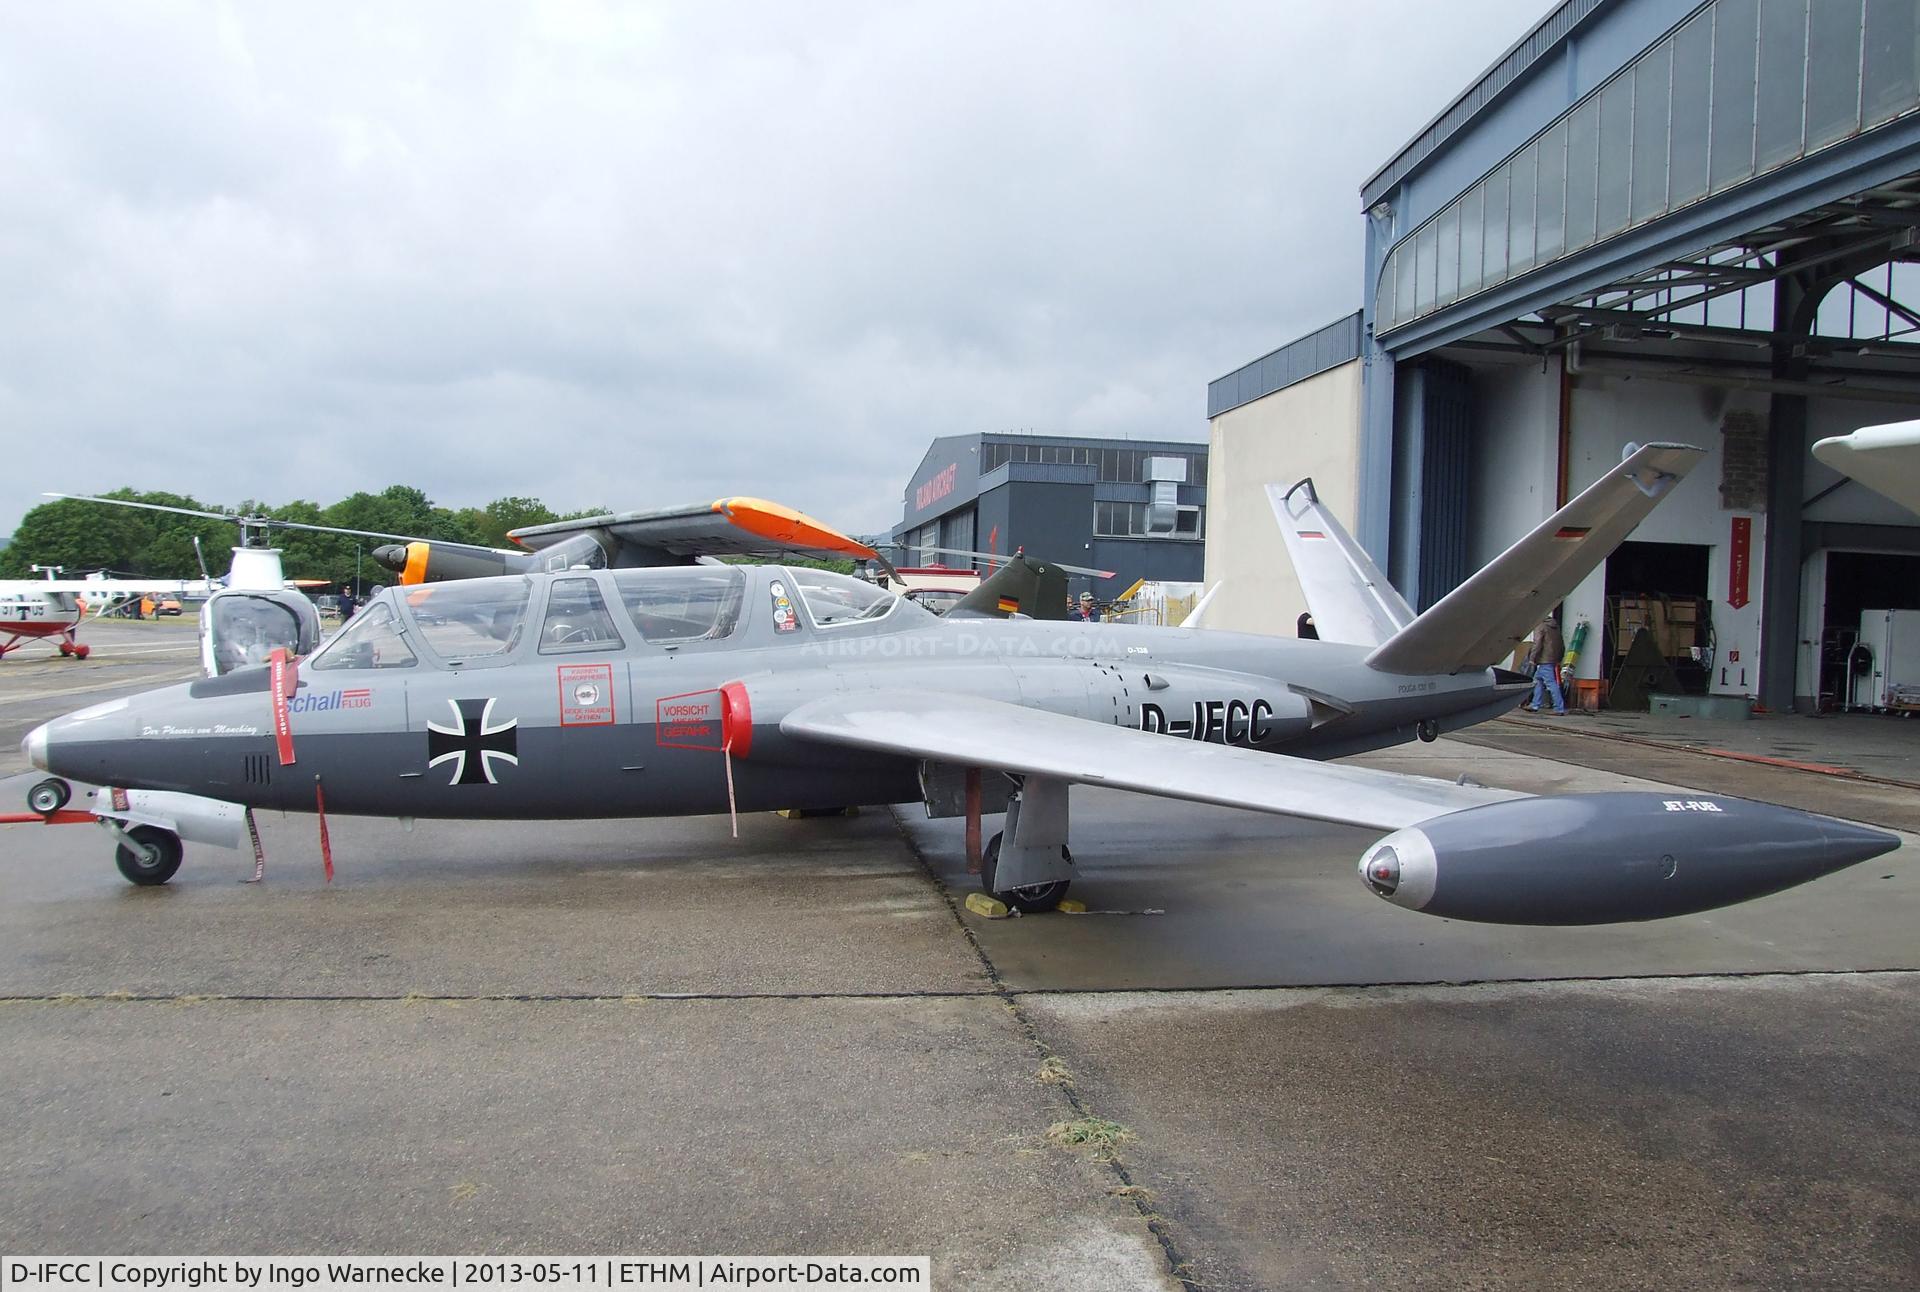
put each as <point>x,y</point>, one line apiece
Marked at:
<point>148,855</point>
<point>1028,865</point>
<point>75,650</point>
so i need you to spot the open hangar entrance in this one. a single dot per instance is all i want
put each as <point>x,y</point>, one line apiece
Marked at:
<point>1751,579</point>
<point>1711,240</point>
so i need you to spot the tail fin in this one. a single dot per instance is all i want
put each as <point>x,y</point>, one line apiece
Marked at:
<point>1350,599</point>
<point>1037,589</point>
<point>1479,622</point>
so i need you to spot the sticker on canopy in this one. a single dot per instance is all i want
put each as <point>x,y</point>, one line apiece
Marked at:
<point>586,695</point>
<point>784,618</point>
<point>690,721</point>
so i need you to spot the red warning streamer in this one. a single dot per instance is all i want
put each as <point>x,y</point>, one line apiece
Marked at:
<point>285,681</point>
<point>326,845</point>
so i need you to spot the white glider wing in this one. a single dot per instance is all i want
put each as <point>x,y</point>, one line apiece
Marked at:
<point>975,732</point>
<point>1885,459</point>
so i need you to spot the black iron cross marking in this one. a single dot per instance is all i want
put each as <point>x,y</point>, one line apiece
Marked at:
<point>473,742</point>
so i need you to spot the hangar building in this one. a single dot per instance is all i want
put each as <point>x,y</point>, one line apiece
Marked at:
<point>1137,507</point>
<point>1648,219</point>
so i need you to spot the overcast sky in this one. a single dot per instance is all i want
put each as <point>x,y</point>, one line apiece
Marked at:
<point>642,254</point>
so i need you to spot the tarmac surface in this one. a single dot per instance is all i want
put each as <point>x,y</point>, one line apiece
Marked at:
<point>648,1037</point>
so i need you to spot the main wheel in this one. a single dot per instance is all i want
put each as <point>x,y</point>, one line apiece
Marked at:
<point>1029,899</point>
<point>154,858</point>
<point>81,650</point>
<point>66,648</point>
<point>49,796</point>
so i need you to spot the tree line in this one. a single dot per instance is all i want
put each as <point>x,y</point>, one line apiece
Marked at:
<point>88,536</point>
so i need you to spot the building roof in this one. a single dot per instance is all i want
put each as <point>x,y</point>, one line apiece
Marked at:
<point>1545,37</point>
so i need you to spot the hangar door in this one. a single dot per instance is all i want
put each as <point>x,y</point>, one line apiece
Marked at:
<point>1660,589</point>
<point>1858,581</point>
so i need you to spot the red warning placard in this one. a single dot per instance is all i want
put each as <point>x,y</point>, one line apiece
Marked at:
<point>586,695</point>
<point>690,721</point>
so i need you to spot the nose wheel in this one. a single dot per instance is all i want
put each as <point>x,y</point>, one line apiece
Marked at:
<point>49,796</point>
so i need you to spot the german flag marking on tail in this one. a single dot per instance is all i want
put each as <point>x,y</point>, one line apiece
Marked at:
<point>1009,605</point>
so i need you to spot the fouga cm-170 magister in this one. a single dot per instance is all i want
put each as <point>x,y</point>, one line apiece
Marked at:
<point>713,688</point>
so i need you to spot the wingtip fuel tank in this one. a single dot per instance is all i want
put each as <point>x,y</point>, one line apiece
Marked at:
<point>1609,858</point>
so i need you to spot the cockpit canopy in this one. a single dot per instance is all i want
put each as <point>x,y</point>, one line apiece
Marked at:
<point>243,627</point>
<point>481,621</point>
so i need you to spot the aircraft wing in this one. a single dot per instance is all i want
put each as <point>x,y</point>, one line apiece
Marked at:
<point>1886,459</point>
<point>726,527</point>
<point>976,732</point>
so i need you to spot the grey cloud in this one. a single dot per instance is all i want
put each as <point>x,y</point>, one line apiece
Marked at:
<point>639,254</point>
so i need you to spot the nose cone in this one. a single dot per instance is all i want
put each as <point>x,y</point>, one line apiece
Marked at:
<point>391,555</point>
<point>1848,844</point>
<point>35,747</point>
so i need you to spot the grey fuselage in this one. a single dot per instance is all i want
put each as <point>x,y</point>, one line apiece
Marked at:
<point>637,727</point>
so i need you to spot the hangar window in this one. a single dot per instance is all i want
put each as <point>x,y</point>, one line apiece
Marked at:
<point>1692,86</point>
<point>1583,162</point>
<point>693,603</point>
<point>577,619</point>
<point>1833,71</point>
<point>1496,228</point>
<point>1735,31</point>
<point>1783,59</point>
<point>1520,212</point>
<point>1550,201</point>
<point>1650,84</point>
<point>1616,153</point>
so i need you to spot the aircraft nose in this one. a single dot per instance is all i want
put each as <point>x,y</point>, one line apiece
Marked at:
<point>35,746</point>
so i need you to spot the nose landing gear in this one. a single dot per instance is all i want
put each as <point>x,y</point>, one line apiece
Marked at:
<point>49,796</point>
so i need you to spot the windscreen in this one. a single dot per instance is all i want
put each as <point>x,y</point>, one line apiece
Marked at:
<point>838,598</point>
<point>370,640</point>
<point>247,627</point>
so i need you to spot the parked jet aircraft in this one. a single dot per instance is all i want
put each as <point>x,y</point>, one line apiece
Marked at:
<point>667,691</point>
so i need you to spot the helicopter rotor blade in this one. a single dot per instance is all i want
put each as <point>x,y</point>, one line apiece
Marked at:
<point>253,522</point>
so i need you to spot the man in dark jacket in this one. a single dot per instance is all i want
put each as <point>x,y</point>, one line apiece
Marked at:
<point>1543,661</point>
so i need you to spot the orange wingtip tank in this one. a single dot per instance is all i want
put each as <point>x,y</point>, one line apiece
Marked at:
<point>786,526</point>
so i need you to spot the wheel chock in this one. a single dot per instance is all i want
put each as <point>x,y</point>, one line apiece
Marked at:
<point>991,908</point>
<point>1071,906</point>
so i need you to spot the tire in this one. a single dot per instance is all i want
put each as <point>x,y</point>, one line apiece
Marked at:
<point>81,650</point>
<point>49,796</point>
<point>66,649</point>
<point>136,865</point>
<point>1031,899</point>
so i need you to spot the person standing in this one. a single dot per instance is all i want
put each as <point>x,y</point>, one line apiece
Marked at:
<point>1543,661</point>
<point>1087,611</point>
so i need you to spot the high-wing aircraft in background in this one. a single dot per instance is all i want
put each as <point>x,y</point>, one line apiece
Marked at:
<point>639,690</point>
<point>52,609</point>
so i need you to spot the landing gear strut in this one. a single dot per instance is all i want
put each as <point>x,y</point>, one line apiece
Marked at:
<point>1029,899</point>
<point>1027,865</point>
<point>148,855</point>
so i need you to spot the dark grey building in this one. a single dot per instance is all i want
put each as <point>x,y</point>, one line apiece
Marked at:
<point>1137,507</point>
